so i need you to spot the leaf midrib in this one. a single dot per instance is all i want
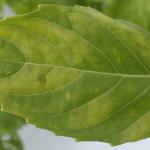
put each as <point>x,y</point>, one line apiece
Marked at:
<point>73,68</point>
<point>57,47</point>
<point>80,70</point>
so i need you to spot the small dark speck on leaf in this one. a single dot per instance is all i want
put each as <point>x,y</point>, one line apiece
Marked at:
<point>42,79</point>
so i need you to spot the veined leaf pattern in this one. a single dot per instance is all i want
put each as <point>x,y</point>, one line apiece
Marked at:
<point>76,72</point>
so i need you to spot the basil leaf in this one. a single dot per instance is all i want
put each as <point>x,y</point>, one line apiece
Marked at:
<point>76,72</point>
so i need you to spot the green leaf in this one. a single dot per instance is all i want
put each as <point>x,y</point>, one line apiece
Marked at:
<point>9,123</point>
<point>136,11</point>
<point>1,8</point>
<point>76,72</point>
<point>23,6</point>
<point>9,138</point>
<point>11,141</point>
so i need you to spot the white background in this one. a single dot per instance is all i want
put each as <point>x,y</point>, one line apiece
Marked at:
<point>37,139</point>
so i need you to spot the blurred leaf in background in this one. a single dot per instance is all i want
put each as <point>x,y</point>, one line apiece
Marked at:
<point>1,8</point>
<point>23,6</point>
<point>9,138</point>
<point>137,11</point>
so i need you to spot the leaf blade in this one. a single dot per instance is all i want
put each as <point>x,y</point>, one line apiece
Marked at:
<point>87,87</point>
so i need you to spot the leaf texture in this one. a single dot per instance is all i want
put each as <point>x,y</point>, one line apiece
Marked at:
<point>76,72</point>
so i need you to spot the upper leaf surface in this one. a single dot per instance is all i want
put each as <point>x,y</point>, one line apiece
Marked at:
<point>78,73</point>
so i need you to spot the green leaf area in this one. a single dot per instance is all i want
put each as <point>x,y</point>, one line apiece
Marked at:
<point>137,11</point>
<point>76,72</point>
<point>9,138</point>
<point>21,6</point>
